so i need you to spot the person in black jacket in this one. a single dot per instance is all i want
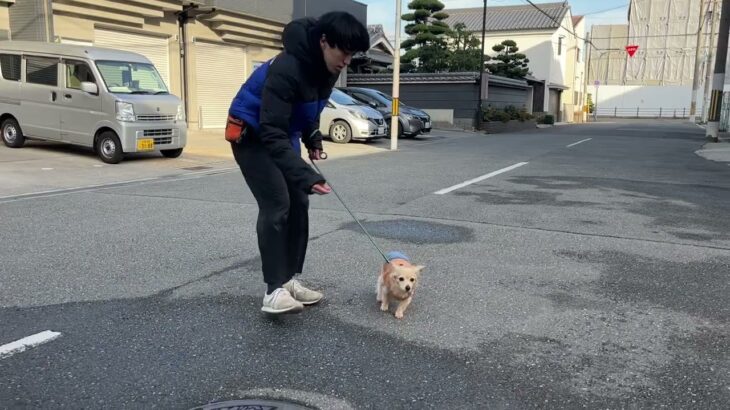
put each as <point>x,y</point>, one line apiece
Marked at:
<point>278,106</point>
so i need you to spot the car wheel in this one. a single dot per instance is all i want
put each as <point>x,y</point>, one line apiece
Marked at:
<point>109,148</point>
<point>400,129</point>
<point>340,132</point>
<point>12,135</point>
<point>171,153</point>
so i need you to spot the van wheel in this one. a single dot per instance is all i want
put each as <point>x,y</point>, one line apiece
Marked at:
<point>109,148</point>
<point>12,135</point>
<point>171,153</point>
<point>340,132</point>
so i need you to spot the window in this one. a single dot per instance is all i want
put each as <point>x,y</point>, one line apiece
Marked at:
<point>40,70</point>
<point>131,78</point>
<point>10,65</point>
<point>560,45</point>
<point>78,72</point>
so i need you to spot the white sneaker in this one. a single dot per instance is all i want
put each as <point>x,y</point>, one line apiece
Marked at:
<point>302,294</point>
<point>281,301</point>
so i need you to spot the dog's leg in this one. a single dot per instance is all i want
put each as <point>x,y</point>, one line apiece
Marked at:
<point>379,289</point>
<point>384,299</point>
<point>402,307</point>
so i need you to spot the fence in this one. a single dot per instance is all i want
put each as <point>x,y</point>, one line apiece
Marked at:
<point>639,112</point>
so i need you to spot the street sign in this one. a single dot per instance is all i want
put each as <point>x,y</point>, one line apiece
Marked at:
<point>631,49</point>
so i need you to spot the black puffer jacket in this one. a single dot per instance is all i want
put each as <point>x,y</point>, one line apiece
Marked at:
<point>284,98</point>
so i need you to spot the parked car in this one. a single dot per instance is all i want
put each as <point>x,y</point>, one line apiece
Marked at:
<point>413,121</point>
<point>345,119</point>
<point>112,101</point>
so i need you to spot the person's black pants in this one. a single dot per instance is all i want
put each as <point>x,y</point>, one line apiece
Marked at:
<point>283,221</point>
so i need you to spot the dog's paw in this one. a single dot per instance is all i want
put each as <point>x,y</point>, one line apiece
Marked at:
<point>384,308</point>
<point>398,315</point>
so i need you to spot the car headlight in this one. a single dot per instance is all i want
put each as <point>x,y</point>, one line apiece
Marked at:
<point>358,114</point>
<point>180,113</point>
<point>125,111</point>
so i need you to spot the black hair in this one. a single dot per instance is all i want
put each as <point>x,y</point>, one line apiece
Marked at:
<point>344,31</point>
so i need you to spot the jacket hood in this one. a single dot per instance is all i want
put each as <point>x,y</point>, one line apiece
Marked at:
<point>299,39</point>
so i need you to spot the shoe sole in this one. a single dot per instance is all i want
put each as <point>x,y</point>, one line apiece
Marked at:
<point>294,309</point>
<point>311,303</point>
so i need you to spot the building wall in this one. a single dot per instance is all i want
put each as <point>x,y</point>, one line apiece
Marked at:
<point>315,8</point>
<point>625,99</point>
<point>4,21</point>
<point>535,45</point>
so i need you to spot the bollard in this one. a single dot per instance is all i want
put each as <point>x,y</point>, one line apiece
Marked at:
<point>615,112</point>
<point>660,112</point>
<point>637,112</point>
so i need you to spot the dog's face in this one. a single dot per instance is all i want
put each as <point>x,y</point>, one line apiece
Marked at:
<point>404,278</point>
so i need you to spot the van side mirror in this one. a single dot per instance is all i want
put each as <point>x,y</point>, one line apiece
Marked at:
<point>89,87</point>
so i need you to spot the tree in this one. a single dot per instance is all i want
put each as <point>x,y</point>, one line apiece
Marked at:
<point>426,50</point>
<point>508,62</point>
<point>465,50</point>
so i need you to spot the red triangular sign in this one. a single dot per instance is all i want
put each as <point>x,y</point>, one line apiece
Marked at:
<point>631,50</point>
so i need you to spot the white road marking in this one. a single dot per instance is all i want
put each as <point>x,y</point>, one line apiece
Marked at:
<point>27,343</point>
<point>579,142</point>
<point>481,178</point>
<point>47,169</point>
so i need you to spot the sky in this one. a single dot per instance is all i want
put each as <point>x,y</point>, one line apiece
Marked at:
<point>383,11</point>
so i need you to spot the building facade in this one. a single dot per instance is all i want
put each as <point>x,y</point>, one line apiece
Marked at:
<point>554,45</point>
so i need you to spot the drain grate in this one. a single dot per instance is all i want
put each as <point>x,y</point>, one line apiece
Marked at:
<point>254,404</point>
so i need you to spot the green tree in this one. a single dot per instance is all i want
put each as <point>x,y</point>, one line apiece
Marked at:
<point>464,50</point>
<point>426,50</point>
<point>508,62</point>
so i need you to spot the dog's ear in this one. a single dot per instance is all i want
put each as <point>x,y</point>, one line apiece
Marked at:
<point>419,268</point>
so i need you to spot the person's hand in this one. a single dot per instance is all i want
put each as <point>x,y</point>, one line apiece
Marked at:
<point>321,189</point>
<point>315,154</point>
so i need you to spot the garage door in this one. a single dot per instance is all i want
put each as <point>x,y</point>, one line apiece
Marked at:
<point>154,48</point>
<point>221,70</point>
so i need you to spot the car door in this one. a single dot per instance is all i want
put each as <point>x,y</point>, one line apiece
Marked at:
<point>40,107</point>
<point>326,117</point>
<point>80,110</point>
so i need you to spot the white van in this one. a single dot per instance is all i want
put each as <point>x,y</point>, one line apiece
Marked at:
<point>112,101</point>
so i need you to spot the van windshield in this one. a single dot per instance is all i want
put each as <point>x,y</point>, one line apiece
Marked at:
<point>123,77</point>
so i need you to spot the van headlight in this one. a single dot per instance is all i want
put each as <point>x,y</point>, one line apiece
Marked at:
<point>180,113</point>
<point>358,114</point>
<point>125,111</point>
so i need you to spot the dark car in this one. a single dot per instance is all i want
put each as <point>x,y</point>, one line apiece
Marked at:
<point>412,120</point>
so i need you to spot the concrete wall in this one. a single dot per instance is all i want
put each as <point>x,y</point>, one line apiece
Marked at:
<point>536,45</point>
<point>277,10</point>
<point>649,99</point>
<point>315,8</point>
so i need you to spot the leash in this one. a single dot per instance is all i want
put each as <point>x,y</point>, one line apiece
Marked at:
<point>324,156</point>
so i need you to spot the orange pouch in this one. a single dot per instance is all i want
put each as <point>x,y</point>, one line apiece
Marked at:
<point>235,129</point>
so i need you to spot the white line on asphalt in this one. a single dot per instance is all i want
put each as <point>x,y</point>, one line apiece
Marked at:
<point>576,143</point>
<point>481,178</point>
<point>82,188</point>
<point>27,342</point>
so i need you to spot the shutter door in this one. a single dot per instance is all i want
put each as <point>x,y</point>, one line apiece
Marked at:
<point>221,70</point>
<point>154,48</point>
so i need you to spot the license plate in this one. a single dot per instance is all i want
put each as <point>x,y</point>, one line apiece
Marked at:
<point>428,125</point>
<point>381,130</point>
<point>145,144</point>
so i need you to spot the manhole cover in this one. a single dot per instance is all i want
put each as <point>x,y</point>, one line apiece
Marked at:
<point>254,404</point>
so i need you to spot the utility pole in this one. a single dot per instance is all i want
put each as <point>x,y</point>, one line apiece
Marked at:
<point>395,109</point>
<point>481,65</point>
<point>718,80</point>
<point>698,73</point>
<point>713,12</point>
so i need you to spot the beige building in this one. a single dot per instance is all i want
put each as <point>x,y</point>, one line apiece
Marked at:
<point>4,19</point>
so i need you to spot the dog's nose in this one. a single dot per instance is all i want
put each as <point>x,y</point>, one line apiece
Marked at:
<point>408,288</point>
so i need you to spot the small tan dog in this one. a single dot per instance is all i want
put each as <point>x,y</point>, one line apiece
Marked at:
<point>397,281</point>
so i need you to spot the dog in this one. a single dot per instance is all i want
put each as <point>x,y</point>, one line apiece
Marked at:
<point>397,281</point>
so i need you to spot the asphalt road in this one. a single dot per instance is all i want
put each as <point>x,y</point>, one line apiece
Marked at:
<point>590,275</point>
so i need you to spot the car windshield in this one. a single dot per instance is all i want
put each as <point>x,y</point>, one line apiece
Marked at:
<point>343,99</point>
<point>123,77</point>
<point>389,99</point>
